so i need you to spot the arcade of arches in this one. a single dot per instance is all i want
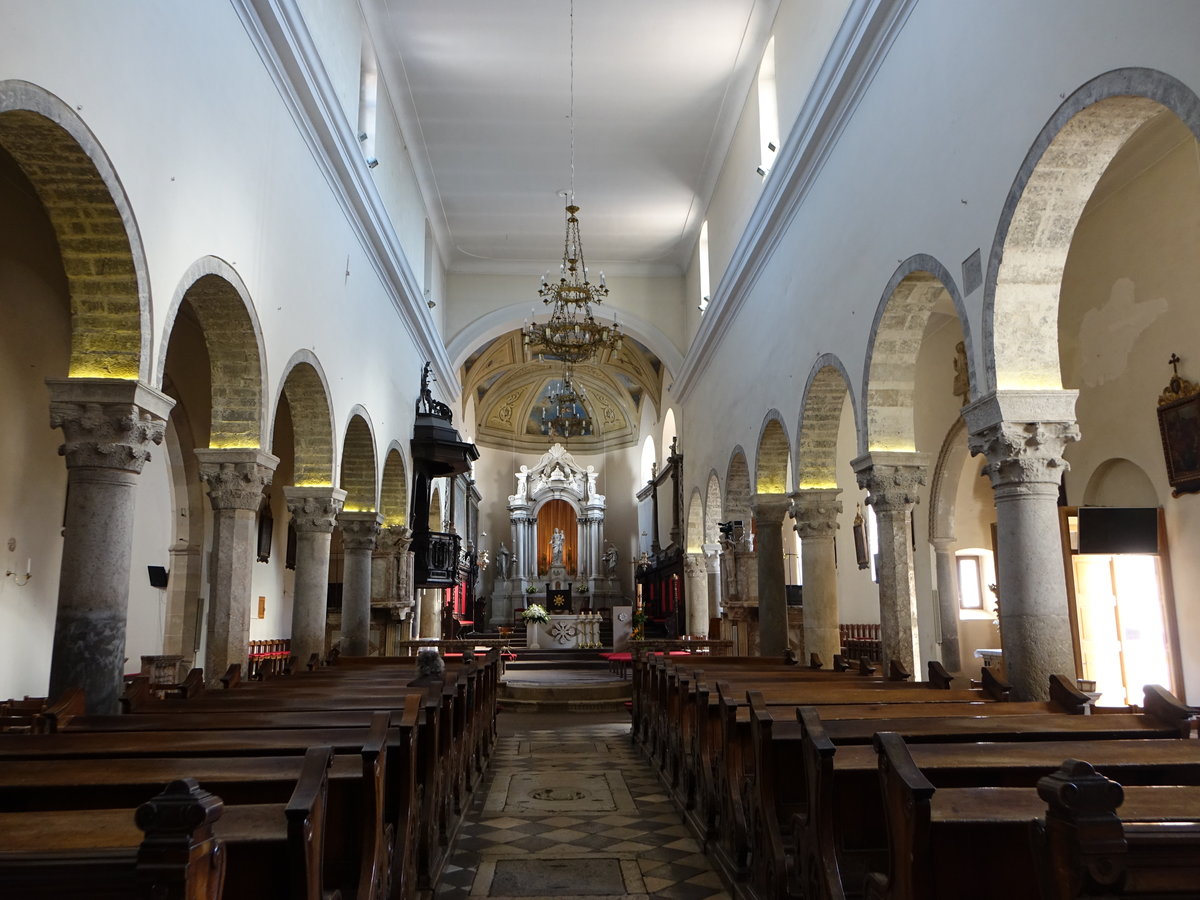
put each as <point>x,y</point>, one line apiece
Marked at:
<point>945,313</point>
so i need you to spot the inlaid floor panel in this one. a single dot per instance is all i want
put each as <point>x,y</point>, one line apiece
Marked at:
<point>575,812</point>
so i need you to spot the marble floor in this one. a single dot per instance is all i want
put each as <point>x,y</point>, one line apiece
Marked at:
<point>568,808</point>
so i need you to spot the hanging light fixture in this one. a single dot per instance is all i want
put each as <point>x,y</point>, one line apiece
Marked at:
<point>564,414</point>
<point>572,333</point>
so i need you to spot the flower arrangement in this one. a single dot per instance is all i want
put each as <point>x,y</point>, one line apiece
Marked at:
<point>531,588</point>
<point>535,613</point>
<point>639,625</point>
<point>581,588</point>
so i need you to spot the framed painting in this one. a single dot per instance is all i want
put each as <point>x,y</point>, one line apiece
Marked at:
<point>1179,426</point>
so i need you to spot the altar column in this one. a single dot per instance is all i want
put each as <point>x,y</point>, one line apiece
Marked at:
<point>816,514</point>
<point>947,588</point>
<point>769,510</point>
<point>1023,435</point>
<point>108,426</point>
<point>235,480</point>
<point>314,512</point>
<point>696,593</point>
<point>359,533</point>
<point>892,480</point>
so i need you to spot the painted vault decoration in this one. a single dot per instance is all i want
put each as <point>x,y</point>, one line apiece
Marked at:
<point>509,390</point>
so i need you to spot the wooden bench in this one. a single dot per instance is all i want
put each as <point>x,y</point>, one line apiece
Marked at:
<point>840,836</point>
<point>1080,846</point>
<point>268,850</point>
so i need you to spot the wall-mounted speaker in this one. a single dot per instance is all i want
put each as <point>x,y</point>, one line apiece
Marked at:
<point>158,576</point>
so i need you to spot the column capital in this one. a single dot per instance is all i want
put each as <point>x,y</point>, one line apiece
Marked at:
<point>1023,435</point>
<point>770,508</point>
<point>816,512</point>
<point>943,544</point>
<point>314,509</point>
<point>360,530</point>
<point>694,566</point>
<point>394,539</point>
<point>108,423</point>
<point>236,478</point>
<point>892,479</point>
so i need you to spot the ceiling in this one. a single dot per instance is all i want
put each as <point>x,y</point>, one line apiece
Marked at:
<point>481,90</point>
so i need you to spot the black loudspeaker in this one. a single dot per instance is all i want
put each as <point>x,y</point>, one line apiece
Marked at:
<point>1111,530</point>
<point>158,576</point>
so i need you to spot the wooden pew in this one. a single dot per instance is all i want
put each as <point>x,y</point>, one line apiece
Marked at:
<point>840,836</point>
<point>386,800</point>
<point>269,850</point>
<point>943,840</point>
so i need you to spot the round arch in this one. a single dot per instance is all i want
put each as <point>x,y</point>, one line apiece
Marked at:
<point>307,391</point>
<point>738,491</point>
<point>712,509</point>
<point>1046,200</point>
<point>233,337</point>
<point>825,394</point>
<point>357,476</point>
<point>774,452</point>
<point>889,374</point>
<point>97,233</point>
<point>393,488</point>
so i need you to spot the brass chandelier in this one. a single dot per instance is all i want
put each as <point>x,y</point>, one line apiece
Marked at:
<point>572,333</point>
<point>563,412</point>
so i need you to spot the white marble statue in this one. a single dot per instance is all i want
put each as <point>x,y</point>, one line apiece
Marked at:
<point>610,561</point>
<point>503,557</point>
<point>557,540</point>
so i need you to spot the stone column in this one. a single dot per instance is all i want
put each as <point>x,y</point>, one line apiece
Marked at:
<point>712,564</point>
<point>431,613</point>
<point>1023,435</point>
<point>769,510</point>
<point>816,514</point>
<point>314,512</point>
<point>108,426</point>
<point>947,588</point>
<point>235,479</point>
<point>696,593</point>
<point>359,533</point>
<point>892,480</point>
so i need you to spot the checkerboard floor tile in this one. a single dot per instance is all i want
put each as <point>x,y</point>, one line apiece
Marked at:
<point>658,854</point>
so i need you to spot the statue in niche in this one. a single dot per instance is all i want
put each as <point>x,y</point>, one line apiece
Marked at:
<point>557,541</point>
<point>610,560</point>
<point>962,378</point>
<point>503,559</point>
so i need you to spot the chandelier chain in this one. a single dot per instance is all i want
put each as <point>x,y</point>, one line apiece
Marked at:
<point>571,109</point>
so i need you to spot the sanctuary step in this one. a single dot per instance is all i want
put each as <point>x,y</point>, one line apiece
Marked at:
<point>566,660</point>
<point>561,681</point>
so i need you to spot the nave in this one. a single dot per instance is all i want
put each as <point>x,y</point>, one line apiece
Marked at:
<point>569,807</point>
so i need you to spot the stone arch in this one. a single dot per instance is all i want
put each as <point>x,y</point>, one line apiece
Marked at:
<point>825,395</point>
<point>943,487</point>
<point>393,490</point>
<point>1045,202</point>
<point>889,375</point>
<point>694,536</point>
<point>305,387</point>
<point>737,488</point>
<point>774,451</point>
<point>98,238</point>
<point>712,509</point>
<point>358,463</point>
<point>233,336</point>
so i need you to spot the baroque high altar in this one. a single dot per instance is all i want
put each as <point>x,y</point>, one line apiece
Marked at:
<point>560,491</point>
